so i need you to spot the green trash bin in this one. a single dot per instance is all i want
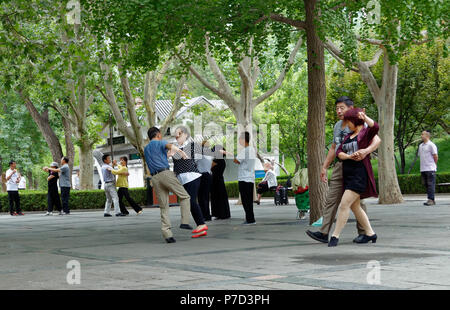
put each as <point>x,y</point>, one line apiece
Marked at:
<point>302,203</point>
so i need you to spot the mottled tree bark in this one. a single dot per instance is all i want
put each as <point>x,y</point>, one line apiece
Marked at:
<point>316,112</point>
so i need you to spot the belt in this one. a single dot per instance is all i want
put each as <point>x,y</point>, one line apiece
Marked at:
<point>156,172</point>
<point>109,182</point>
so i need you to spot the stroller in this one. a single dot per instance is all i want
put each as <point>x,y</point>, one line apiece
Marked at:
<point>281,192</point>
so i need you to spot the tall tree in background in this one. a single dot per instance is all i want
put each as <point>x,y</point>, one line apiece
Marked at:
<point>230,24</point>
<point>422,96</point>
<point>392,27</point>
<point>287,108</point>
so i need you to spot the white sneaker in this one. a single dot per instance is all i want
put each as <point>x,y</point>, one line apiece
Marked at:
<point>49,213</point>
<point>140,212</point>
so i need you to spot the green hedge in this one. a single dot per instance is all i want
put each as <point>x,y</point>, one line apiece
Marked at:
<point>95,199</point>
<point>412,183</point>
<point>86,199</point>
<point>409,184</point>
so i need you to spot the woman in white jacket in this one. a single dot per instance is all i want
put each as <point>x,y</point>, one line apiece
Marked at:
<point>268,183</point>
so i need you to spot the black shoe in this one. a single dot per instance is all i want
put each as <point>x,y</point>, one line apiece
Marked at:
<point>107,215</point>
<point>318,236</point>
<point>170,240</point>
<point>121,214</point>
<point>358,239</point>
<point>366,239</point>
<point>186,226</point>
<point>333,242</point>
<point>257,202</point>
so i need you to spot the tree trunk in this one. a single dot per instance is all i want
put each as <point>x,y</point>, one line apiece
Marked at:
<point>2,176</point>
<point>388,188</point>
<point>86,165</point>
<point>316,113</point>
<point>70,148</point>
<point>30,180</point>
<point>42,121</point>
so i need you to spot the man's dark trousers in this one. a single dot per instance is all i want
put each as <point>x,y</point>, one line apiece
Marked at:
<point>13,197</point>
<point>65,195</point>
<point>429,181</point>
<point>246,191</point>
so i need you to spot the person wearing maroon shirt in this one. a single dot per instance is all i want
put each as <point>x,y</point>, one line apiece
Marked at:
<point>358,178</point>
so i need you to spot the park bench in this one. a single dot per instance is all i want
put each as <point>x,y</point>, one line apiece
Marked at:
<point>444,185</point>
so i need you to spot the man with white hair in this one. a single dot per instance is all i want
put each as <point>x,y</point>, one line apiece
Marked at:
<point>428,160</point>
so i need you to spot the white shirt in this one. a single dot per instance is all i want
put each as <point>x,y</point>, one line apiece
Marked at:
<point>11,184</point>
<point>77,182</point>
<point>426,152</point>
<point>246,171</point>
<point>22,183</point>
<point>271,179</point>
<point>187,177</point>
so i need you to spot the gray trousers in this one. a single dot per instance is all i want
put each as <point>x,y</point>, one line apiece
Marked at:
<point>111,197</point>
<point>334,197</point>
<point>163,183</point>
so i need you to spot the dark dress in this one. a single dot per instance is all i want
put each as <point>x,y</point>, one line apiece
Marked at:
<point>220,207</point>
<point>364,139</point>
<point>354,172</point>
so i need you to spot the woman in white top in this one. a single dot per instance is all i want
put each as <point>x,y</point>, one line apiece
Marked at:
<point>268,183</point>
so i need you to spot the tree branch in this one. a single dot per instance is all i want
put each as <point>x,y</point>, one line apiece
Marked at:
<point>282,75</point>
<point>293,22</point>
<point>223,84</point>
<point>336,53</point>
<point>375,58</point>
<point>370,41</point>
<point>176,105</point>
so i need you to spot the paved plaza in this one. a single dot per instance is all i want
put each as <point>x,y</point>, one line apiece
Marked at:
<point>42,252</point>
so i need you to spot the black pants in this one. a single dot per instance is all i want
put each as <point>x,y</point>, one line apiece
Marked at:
<point>429,181</point>
<point>192,189</point>
<point>53,199</point>
<point>203,195</point>
<point>246,191</point>
<point>14,198</point>
<point>123,192</point>
<point>65,195</point>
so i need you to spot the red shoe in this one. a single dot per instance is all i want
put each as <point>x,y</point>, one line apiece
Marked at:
<point>196,231</point>
<point>20,213</point>
<point>204,233</point>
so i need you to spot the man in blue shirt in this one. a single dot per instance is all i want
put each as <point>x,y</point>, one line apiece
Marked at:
<point>165,181</point>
